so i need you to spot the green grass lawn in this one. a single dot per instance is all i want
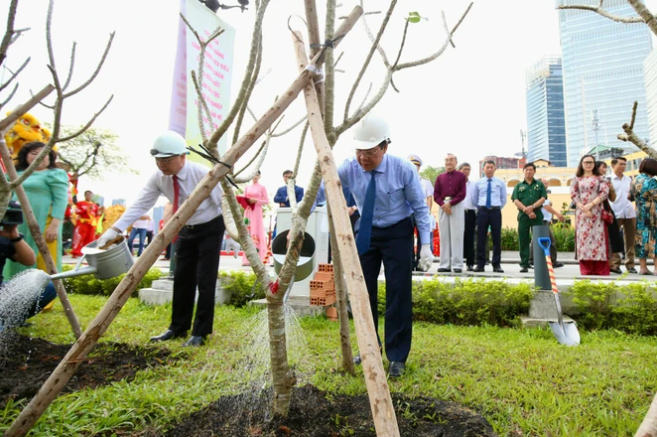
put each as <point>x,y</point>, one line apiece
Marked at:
<point>521,380</point>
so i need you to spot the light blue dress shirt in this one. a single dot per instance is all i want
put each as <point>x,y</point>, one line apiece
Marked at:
<point>498,192</point>
<point>399,192</point>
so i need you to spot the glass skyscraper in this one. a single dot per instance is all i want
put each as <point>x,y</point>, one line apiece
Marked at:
<point>546,124</point>
<point>603,75</point>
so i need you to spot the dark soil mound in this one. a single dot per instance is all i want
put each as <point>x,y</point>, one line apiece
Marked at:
<point>313,415</point>
<point>29,362</point>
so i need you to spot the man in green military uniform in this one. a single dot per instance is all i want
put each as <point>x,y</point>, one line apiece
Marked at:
<point>528,196</point>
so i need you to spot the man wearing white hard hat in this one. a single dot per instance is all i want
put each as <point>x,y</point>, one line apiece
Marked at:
<point>198,243</point>
<point>388,193</point>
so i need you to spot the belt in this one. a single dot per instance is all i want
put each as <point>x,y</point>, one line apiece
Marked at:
<point>492,207</point>
<point>202,225</point>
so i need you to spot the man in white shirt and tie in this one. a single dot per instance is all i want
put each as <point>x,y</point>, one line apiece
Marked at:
<point>198,243</point>
<point>625,215</point>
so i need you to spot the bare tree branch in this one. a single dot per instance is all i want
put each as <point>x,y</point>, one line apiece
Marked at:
<point>95,73</point>
<point>603,12</point>
<point>289,129</point>
<point>368,58</point>
<point>401,49</point>
<point>260,155</point>
<point>630,136</point>
<point>11,95</point>
<point>89,123</point>
<point>302,141</point>
<point>16,73</point>
<point>70,67</point>
<point>8,38</point>
<point>264,144</point>
<point>249,91</point>
<point>368,31</point>
<point>645,14</point>
<point>441,50</point>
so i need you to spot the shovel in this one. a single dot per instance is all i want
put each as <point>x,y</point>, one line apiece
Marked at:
<point>566,333</point>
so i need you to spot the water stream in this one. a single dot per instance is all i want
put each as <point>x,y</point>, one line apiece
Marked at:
<point>17,298</point>
<point>257,395</point>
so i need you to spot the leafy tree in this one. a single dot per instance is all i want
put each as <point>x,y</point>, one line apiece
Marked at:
<point>93,154</point>
<point>432,173</point>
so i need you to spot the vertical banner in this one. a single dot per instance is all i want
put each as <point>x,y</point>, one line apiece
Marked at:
<point>217,74</point>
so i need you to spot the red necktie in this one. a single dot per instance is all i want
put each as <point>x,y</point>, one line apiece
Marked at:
<point>176,198</point>
<point>176,193</point>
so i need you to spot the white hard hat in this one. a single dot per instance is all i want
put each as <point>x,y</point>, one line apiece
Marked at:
<point>169,144</point>
<point>370,132</point>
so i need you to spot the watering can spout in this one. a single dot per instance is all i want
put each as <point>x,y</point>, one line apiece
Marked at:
<point>90,270</point>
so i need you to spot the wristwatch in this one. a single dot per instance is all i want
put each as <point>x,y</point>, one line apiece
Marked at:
<point>17,239</point>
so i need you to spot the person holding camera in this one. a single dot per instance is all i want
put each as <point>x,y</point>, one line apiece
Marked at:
<point>14,248</point>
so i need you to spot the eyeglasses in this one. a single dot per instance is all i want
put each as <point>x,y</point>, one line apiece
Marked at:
<point>369,153</point>
<point>165,160</point>
<point>588,162</point>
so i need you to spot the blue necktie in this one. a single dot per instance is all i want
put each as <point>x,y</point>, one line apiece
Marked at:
<point>488,194</point>
<point>365,229</point>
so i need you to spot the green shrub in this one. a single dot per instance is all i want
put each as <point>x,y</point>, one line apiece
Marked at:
<point>88,284</point>
<point>601,308</point>
<point>467,302</point>
<point>240,283</point>
<point>509,239</point>
<point>564,235</point>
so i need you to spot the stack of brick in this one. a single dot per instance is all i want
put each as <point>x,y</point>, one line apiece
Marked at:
<point>322,287</point>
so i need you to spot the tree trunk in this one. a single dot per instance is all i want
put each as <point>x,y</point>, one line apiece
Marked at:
<point>383,411</point>
<point>283,378</point>
<point>648,427</point>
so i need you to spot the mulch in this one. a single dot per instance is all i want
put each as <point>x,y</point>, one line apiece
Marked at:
<point>313,413</point>
<point>28,362</point>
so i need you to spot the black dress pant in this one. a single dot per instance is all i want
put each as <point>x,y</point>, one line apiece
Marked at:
<point>197,254</point>
<point>393,246</point>
<point>489,217</point>
<point>469,237</point>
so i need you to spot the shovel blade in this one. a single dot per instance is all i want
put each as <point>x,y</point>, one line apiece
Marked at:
<point>568,335</point>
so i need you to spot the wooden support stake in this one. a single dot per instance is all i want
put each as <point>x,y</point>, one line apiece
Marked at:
<point>383,411</point>
<point>648,427</point>
<point>32,222</point>
<point>341,293</point>
<point>66,368</point>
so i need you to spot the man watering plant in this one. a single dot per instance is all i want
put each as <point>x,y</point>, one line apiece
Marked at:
<point>197,246</point>
<point>388,193</point>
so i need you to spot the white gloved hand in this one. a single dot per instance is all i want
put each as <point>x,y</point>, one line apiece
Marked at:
<point>108,236</point>
<point>426,258</point>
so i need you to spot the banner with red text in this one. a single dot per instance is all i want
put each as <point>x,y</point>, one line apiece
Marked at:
<point>217,74</point>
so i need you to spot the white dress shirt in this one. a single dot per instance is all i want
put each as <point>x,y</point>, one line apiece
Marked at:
<point>623,208</point>
<point>547,216</point>
<point>467,202</point>
<point>428,187</point>
<point>159,184</point>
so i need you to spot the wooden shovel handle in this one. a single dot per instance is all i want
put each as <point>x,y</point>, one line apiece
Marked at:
<point>117,240</point>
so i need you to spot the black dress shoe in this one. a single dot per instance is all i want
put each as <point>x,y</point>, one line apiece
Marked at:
<point>524,270</point>
<point>498,270</point>
<point>617,271</point>
<point>557,265</point>
<point>632,270</point>
<point>470,269</point>
<point>478,269</point>
<point>443,270</point>
<point>396,369</point>
<point>168,335</point>
<point>195,340</point>
<point>458,270</point>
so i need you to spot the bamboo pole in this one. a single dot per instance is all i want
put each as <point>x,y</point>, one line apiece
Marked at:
<point>383,411</point>
<point>341,293</point>
<point>648,427</point>
<point>32,222</point>
<point>66,368</point>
